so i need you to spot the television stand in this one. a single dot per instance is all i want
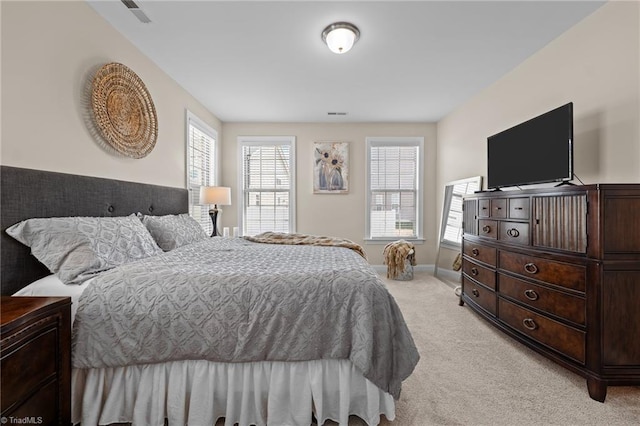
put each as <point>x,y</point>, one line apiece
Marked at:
<point>488,190</point>
<point>558,270</point>
<point>565,182</point>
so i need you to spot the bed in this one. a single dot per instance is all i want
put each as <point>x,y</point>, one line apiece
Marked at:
<point>279,361</point>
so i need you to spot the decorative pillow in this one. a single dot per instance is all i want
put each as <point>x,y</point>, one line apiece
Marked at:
<point>76,248</point>
<point>173,231</point>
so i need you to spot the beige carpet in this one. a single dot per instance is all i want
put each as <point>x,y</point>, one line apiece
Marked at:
<point>471,374</point>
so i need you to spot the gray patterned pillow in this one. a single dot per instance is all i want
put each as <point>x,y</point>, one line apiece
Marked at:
<point>76,248</point>
<point>173,231</point>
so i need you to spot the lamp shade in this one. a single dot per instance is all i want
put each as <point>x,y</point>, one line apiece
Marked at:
<point>220,195</point>
<point>340,36</point>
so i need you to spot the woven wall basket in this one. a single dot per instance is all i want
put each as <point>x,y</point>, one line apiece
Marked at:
<point>123,111</point>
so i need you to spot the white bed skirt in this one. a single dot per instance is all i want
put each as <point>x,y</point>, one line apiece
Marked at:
<point>199,392</point>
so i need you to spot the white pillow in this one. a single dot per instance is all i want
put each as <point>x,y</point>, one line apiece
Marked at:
<point>51,286</point>
<point>76,248</point>
<point>173,231</point>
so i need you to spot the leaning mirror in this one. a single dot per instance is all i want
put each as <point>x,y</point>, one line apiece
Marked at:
<point>450,241</point>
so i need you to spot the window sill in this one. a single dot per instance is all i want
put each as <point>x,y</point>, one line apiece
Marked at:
<point>390,240</point>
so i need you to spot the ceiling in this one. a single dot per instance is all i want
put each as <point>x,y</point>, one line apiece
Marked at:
<point>265,61</point>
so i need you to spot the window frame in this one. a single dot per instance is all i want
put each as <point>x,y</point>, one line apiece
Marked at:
<point>192,120</point>
<point>417,141</point>
<point>267,141</point>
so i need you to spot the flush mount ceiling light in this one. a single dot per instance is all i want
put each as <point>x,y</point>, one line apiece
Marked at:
<point>340,36</point>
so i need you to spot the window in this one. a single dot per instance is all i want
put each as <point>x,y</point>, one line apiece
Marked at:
<point>394,190</point>
<point>201,166</point>
<point>267,179</point>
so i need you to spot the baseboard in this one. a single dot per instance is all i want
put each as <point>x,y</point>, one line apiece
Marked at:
<point>447,276</point>
<point>383,268</point>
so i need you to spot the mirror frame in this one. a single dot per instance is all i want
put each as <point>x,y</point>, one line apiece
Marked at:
<point>446,207</point>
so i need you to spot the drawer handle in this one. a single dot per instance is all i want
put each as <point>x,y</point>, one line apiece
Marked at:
<point>498,208</point>
<point>513,232</point>
<point>531,294</point>
<point>484,208</point>
<point>475,292</point>
<point>529,324</point>
<point>474,271</point>
<point>517,208</point>
<point>531,268</point>
<point>486,229</point>
<point>475,252</point>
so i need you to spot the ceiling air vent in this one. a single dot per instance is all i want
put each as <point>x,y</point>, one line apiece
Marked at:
<point>336,113</point>
<point>135,9</point>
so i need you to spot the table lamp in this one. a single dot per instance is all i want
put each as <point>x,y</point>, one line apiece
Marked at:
<point>216,195</point>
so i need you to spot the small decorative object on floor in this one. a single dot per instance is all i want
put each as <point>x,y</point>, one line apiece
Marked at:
<point>399,256</point>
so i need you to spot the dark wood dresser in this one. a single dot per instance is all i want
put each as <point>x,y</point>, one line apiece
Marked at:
<point>558,269</point>
<point>36,359</point>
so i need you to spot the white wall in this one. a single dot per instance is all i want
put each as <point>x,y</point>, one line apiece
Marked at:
<point>341,215</point>
<point>49,50</point>
<point>595,64</point>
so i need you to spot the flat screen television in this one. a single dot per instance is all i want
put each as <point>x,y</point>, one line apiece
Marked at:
<point>539,150</point>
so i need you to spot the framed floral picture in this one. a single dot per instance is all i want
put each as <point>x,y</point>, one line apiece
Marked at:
<point>331,168</point>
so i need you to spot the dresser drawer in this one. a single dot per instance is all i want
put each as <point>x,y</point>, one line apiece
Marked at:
<point>571,308</point>
<point>499,208</point>
<point>38,357</point>
<point>479,273</point>
<point>480,295</point>
<point>40,404</point>
<point>480,252</point>
<point>514,232</point>
<point>562,338</point>
<point>488,228</point>
<point>550,271</point>
<point>484,208</point>
<point>519,208</point>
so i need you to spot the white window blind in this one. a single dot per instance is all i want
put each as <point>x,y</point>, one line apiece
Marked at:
<point>267,183</point>
<point>394,177</point>
<point>201,166</point>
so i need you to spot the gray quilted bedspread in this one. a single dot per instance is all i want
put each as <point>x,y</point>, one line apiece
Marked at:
<point>230,300</point>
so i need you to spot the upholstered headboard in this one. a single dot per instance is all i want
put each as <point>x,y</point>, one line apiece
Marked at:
<point>26,193</point>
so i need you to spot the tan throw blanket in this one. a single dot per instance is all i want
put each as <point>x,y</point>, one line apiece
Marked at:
<point>395,254</point>
<point>305,239</point>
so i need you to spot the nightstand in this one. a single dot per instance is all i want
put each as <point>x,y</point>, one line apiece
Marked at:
<point>35,347</point>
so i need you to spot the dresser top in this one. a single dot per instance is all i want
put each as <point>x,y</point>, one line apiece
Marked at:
<point>14,311</point>
<point>556,190</point>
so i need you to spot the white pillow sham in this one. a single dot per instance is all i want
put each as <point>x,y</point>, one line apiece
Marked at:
<point>76,248</point>
<point>173,231</point>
